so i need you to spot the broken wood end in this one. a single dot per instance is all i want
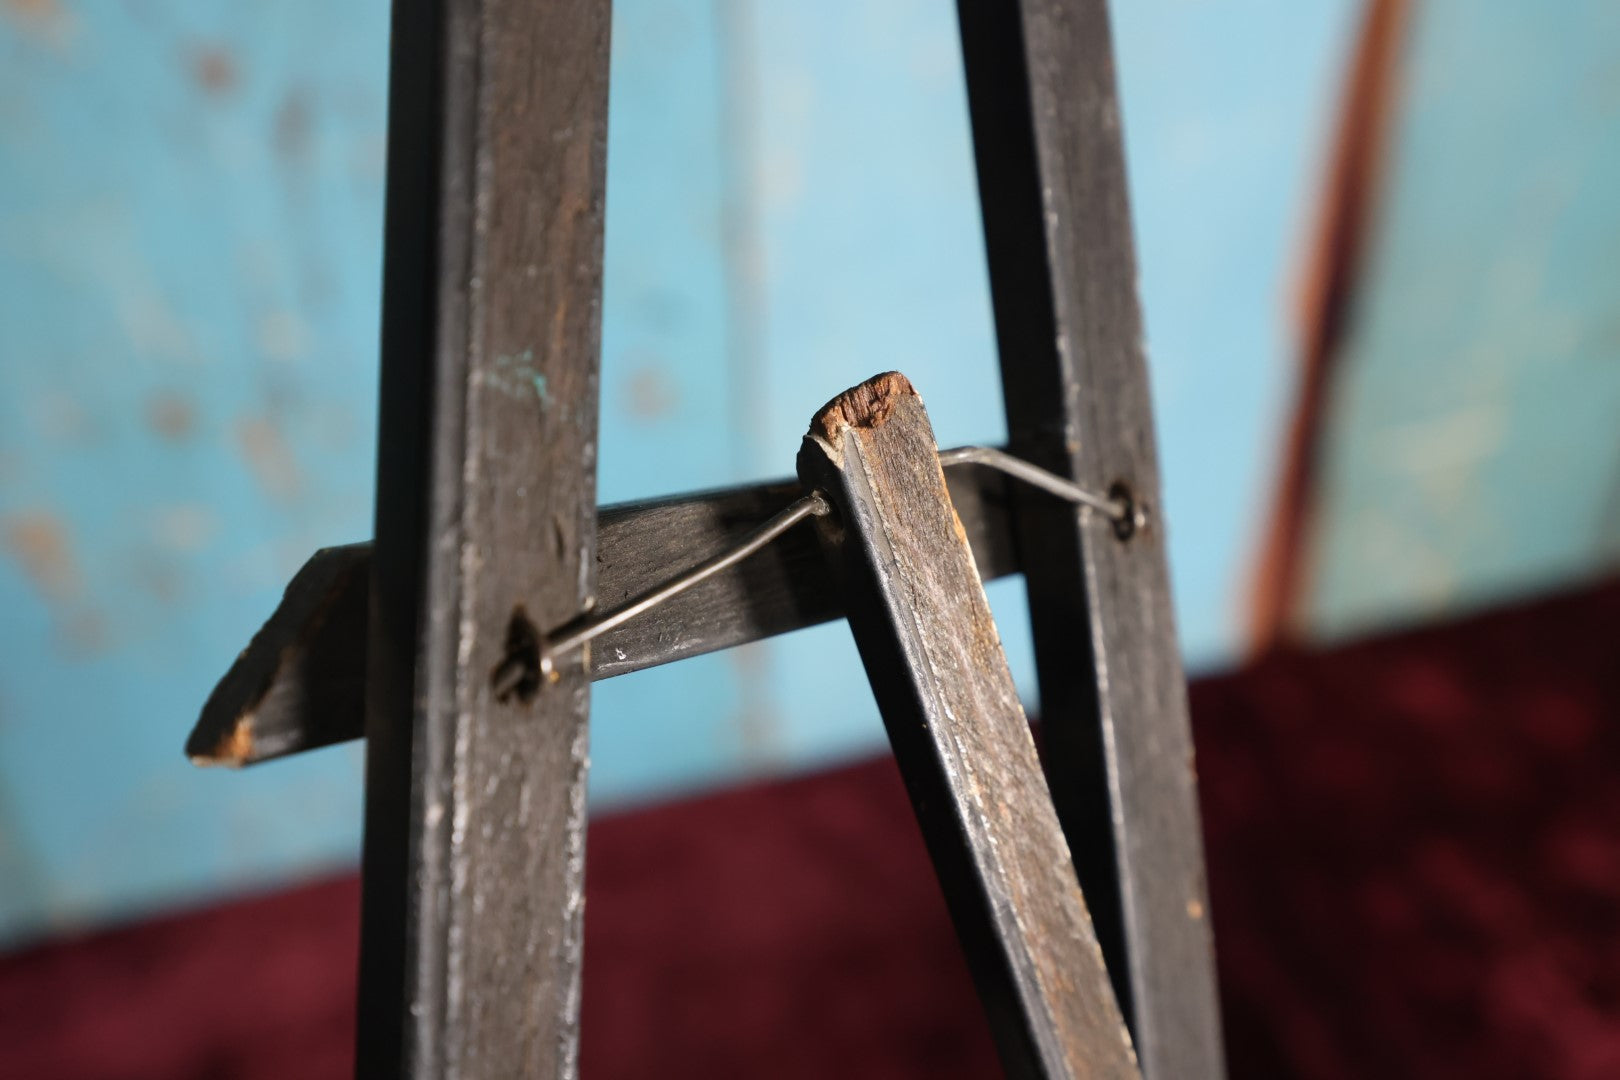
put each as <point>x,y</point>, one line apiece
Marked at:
<point>865,406</point>
<point>233,750</point>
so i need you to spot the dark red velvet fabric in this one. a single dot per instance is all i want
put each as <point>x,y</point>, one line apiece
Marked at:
<point>1414,850</point>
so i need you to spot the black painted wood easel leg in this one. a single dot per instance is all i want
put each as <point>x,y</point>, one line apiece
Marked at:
<point>486,530</point>
<point>922,623</point>
<point>1057,225</point>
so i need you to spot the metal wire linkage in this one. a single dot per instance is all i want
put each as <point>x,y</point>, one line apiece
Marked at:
<point>514,669</point>
<point>1118,510</point>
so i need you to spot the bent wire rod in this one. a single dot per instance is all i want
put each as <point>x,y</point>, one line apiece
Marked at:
<point>513,670</point>
<point>1118,509</point>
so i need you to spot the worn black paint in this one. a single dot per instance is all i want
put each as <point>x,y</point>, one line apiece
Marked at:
<point>299,685</point>
<point>1046,132</point>
<point>473,867</point>
<point>935,662</point>
<point>492,282</point>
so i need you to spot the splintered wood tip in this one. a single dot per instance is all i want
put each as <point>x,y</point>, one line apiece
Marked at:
<point>865,406</point>
<point>233,749</point>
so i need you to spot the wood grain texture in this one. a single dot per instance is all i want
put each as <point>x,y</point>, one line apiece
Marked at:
<point>300,683</point>
<point>486,521</point>
<point>1051,170</point>
<point>931,650</point>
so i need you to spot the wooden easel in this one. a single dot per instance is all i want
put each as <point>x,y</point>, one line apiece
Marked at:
<point>488,535</point>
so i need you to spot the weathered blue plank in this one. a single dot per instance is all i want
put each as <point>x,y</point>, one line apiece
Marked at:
<point>1470,453</point>
<point>189,222</point>
<point>190,207</point>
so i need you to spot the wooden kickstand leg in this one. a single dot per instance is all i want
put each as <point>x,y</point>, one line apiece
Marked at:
<point>923,626</point>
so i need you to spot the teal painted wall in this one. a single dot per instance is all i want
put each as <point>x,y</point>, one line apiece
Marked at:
<point>1471,451</point>
<point>190,213</point>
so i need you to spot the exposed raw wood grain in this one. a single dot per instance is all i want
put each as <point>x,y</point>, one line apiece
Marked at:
<point>300,684</point>
<point>1046,129</point>
<point>931,650</point>
<point>303,673</point>
<point>486,521</point>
